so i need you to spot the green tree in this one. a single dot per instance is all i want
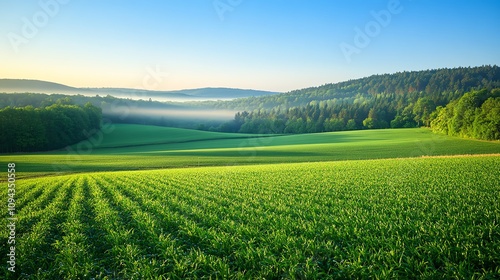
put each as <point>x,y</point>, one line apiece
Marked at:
<point>334,124</point>
<point>487,122</point>
<point>422,110</point>
<point>476,114</point>
<point>351,125</point>
<point>369,123</point>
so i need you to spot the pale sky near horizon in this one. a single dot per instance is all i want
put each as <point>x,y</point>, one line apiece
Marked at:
<point>277,45</point>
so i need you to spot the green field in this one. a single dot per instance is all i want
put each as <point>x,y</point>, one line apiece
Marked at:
<point>133,147</point>
<point>142,202</point>
<point>429,217</point>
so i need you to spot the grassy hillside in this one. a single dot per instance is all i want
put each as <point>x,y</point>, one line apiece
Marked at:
<point>132,147</point>
<point>132,136</point>
<point>141,139</point>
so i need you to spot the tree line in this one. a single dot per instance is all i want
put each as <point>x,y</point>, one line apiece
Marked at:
<point>381,111</point>
<point>30,129</point>
<point>474,115</point>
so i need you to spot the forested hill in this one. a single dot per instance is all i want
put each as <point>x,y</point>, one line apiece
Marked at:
<point>405,99</point>
<point>440,85</point>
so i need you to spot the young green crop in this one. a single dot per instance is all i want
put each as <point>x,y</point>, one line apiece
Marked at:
<point>399,218</point>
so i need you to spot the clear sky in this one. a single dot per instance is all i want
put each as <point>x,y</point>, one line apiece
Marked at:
<point>277,45</point>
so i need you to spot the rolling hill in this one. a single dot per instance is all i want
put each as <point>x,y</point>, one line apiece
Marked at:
<point>136,147</point>
<point>35,86</point>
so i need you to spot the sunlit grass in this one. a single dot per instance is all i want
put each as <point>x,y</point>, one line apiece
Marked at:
<point>394,218</point>
<point>220,151</point>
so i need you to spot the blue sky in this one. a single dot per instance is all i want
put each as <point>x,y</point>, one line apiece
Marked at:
<point>273,45</point>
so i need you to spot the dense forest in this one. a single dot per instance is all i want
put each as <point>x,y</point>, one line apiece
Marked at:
<point>399,100</point>
<point>29,129</point>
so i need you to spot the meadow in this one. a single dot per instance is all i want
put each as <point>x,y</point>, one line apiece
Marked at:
<point>136,147</point>
<point>183,204</point>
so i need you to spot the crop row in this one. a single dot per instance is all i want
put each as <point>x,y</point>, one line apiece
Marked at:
<point>434,217</point>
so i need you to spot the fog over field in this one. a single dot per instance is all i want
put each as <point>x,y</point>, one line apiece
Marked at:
<point>200,114</point>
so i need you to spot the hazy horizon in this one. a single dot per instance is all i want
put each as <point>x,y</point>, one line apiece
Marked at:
<point>266,45</point>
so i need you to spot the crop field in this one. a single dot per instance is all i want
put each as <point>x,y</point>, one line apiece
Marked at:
<point>435,217</point>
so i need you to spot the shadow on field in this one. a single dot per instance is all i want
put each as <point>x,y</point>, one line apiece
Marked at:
<point>245,152</point>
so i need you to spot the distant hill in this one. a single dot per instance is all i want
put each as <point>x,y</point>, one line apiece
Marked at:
<point>182,95</point>
<point>226,93</point>
<point>36,86</point>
